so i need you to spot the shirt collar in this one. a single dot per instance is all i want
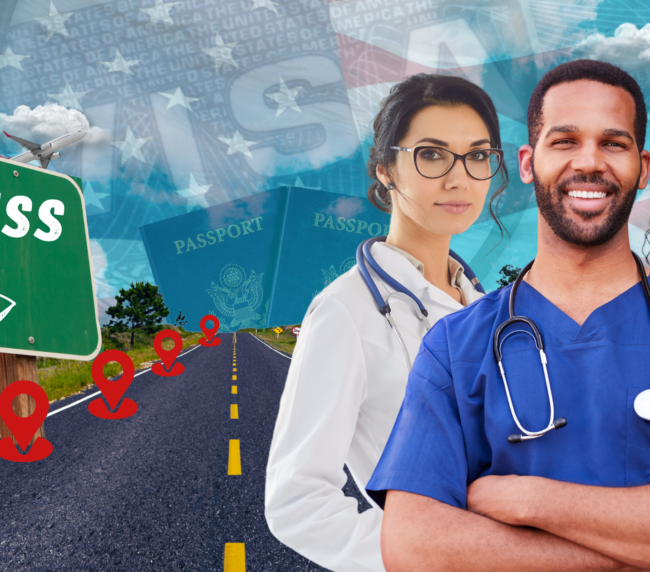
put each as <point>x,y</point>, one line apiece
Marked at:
<point>409,271</point>
<point>395,262</point>
<point>414,261</point>
<point>529,301</point>
<point>455,268</point>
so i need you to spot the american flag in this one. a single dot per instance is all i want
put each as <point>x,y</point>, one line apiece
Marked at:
<point>192,103</point>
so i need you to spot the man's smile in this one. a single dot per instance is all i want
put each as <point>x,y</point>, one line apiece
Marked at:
<point>587,196</point>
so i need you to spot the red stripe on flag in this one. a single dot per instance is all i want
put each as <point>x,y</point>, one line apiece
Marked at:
<point>365,64</point>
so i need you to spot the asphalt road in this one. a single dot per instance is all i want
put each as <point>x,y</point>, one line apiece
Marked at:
<point>151,492</point>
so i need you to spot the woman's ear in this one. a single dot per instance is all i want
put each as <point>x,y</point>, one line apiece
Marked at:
<point>383,175</point>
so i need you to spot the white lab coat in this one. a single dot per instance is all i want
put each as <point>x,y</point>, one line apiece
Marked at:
<point>343,391</point>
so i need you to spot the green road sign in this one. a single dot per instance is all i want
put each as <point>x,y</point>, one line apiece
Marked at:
<point>47,292</point>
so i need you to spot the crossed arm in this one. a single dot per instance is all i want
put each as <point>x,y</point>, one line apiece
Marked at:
<point>574,527</point>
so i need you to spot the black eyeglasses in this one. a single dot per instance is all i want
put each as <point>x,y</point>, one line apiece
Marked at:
<point>435,162</point>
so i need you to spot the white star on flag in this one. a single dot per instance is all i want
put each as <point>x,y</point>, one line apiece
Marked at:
<point>55,22</point>
<point>160,11</point>
<point>238,144</point>
<point>179,98</point>
<point>120,64</point>
<point>11,59</point>
<point>130,147</point>
<point>195,194</point>
<point>91,197</point>
<point>285,98</point>
<point>222,53</point>
<point>68,98</point>
<point>264,4</point>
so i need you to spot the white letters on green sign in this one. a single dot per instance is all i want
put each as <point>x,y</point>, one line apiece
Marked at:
<point>45,214</point>
<point>19,218</point>
<point>21,203</point>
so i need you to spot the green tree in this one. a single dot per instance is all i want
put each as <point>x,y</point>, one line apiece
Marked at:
<point>145,309</point>
<point>509,274</point>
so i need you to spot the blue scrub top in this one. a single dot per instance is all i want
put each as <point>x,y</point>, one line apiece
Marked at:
<point>454,423</point>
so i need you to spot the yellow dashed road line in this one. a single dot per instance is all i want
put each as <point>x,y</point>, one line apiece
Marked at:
<point>234,559</point>
<point>234,458</point>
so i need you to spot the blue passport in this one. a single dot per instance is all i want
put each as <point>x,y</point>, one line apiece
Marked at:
<point>219,260</point>
<point>258,261</point>
<point>318,243</point>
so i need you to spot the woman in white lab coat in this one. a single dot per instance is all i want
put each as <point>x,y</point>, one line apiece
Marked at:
<point>348,374</point>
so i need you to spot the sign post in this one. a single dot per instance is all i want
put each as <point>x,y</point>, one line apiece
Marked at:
<point>47,291</point>
<point>13,368</point>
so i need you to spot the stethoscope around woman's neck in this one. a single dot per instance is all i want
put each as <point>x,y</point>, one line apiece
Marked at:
<point>364,255</point>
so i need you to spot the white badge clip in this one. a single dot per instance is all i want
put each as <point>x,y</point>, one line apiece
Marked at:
<point>642,404</point>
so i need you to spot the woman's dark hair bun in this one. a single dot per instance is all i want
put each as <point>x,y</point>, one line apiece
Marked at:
<point>378,194</point>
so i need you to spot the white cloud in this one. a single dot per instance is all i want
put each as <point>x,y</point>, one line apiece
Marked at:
<point>100,264</point>
<point>346,207</point>
<point>51,120</point>
<point>104,304</point>
<point>628,47</point>
<point>231,213</point>
<point>155,195</point>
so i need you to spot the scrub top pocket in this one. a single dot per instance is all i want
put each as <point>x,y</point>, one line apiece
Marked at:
<point>637,446</point>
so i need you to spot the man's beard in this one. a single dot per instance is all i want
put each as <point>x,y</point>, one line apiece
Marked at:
<point>554,210</point>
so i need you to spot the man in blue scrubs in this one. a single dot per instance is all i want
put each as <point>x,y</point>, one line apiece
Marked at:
<point>458,495</point>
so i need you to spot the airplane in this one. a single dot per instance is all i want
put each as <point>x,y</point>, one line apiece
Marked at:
<point>45,152</point>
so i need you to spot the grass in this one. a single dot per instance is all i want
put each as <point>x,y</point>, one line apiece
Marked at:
<point>284,342</point>
<point>61,378</point>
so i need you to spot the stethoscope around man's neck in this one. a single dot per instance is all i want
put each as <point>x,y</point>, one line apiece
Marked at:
<point>364,255</point>
<point>498,342</point>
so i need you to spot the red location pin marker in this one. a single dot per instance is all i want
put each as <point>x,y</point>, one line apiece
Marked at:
<point>168,356</point>
<point>24,428</point>
<point>210,333</point>
<point>113,390</point>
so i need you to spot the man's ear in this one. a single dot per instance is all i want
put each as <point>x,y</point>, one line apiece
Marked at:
<point>525,164</point>
<point>645,169</point>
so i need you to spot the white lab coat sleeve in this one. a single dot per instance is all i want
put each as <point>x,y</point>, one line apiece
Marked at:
<point>305,506</point>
